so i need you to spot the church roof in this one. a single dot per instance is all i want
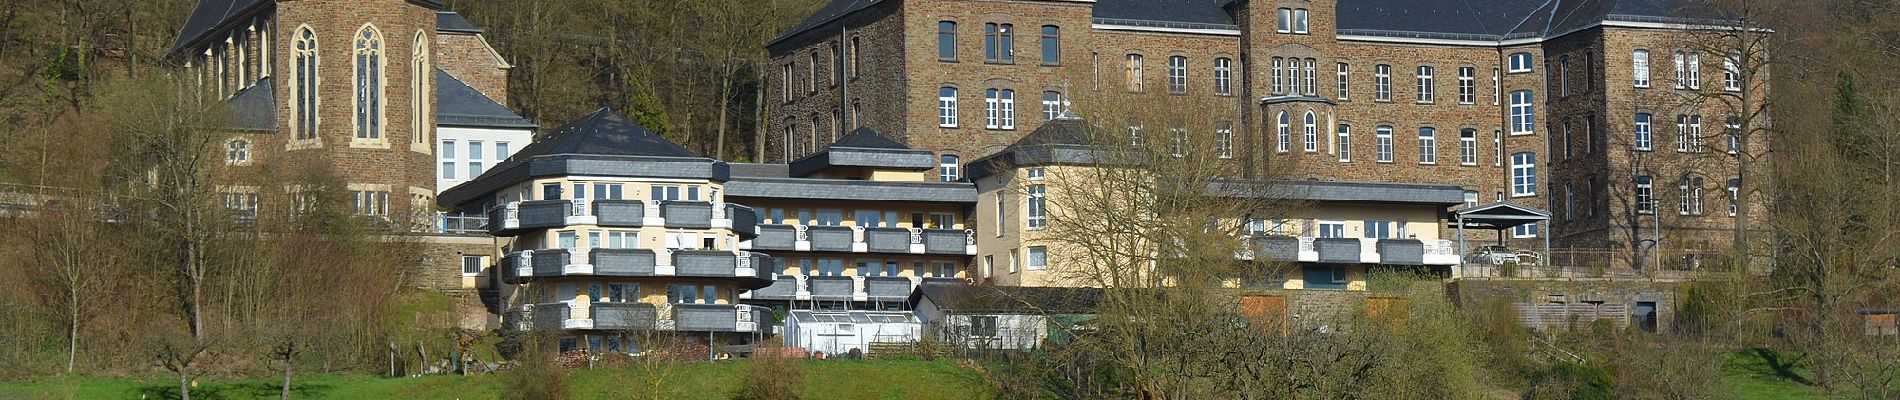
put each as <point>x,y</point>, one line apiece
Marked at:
<point>865,138</point>
<point>254,108</point>
<point>212,16</point>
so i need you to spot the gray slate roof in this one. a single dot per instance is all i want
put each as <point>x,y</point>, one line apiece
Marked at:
<point>450,21</point>
<point>958,298</point>
<point>604,143</point>
<point>605,132</point>
<point>1484,20</point>
<point>1343,192</point>
<point>212,16</point>
<point>458,104</point>
<point>863,148</point>
<point>849,190</point>
<point>254,109</point>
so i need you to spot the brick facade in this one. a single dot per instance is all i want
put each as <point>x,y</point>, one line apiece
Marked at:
<point>1579,83</point>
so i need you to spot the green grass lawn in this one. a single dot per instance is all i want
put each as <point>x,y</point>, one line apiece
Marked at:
<point>874,379</point>
<point>1748,376</point>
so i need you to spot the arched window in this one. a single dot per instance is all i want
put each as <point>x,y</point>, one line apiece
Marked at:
<point>1285,138</point>
<point>237,152</point>
<point>304,60</point>
<point>368,52</point>
<point>419,90</point>
<point>1312,132</point>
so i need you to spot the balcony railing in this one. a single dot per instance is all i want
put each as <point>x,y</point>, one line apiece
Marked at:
<point>1350,251</point>
<point>548,263</point>
<point>512,218</point>
<point>841,288</point>
<point>643,316</point>
<point>863,240</point>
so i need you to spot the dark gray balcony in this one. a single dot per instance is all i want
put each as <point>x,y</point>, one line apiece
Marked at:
<point>623,262</point>
<point>830,287</point>
<point>745,221</point>
<point>620,213</point>
<point>887,240</point>
<point>1277,248</point>
<point>886,287</point>
<point>548,315</point>
<point>1337,250</point>
<point>776,237</point>
<point>945,241</point>
<point>704,263</point>
<point>542,264</point>
<point>539,214</point>
<point>718,318</point>
<point>623,316</point>
<point>784,288</point>
<point>687,214</point>
<point>941,281</point>
<point>1401,252</point>
<point>830,238</point>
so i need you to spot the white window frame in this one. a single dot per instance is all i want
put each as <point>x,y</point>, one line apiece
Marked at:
<point>1133,64</point>
<point>1274,72</point>
<point>1311,127</point>
<point>1224,139</point>
<point>1036,258</point>
<point>1523,113</point>
<point>1384,144</point>
<point>480,262</point>
<point>1177,74</point>
<point>1731,73</point>
<point>1344,145</point>
<point>1312,77</point>
<point>1639,63</point>
<point>1468,147</point>
<point>1382,82</point>
<point>1427,145</point>
<point>1644,132</point>
<point>947,168</point>
<point>1426,84</point>
<point>1283,133</point>
<point>1051,107</point>
<point>1223,76</point>
<point>1467,85</point>
<point>1345,72</point>
<point>947,107</point>
<point>1520,62</point>
<point>1524,174</point>
<point>1299,21</point>
<point>1645,195</point>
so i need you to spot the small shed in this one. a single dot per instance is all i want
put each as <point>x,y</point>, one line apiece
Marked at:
<point>840,332</point>
<point>987,317</point>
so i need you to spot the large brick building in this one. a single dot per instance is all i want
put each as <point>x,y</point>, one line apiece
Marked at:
<point>1568,106</point>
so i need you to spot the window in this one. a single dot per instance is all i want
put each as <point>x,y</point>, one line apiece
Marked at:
<point>1690,190</point>
<point>609,191</point>
<point>1224,139</point>
<point>1223,76</point>
<point>419,74</point>
<point>1178,144</point>
<point>1344,71</point>
<point>1497,148</point>
<point>1284,24</point>
<point>946,107</point>
<point>1732,131</point>
<point>1332,229</point>
<point>1277,79</point>
<point>369,83</point>
<point>1051,45</point>
<point>370,203</point>
<point>448,159</point>
<point>1734,195</point>
<point>1038,258</point>
<point>1382,82</point>
<point>1177,74</point>
<point>785,81</point>
<point>243,206</point>
<point>1134,135</point>
<point>1051,105</point>
<point>1645,198</point>
<point>999,108</point>
<point>1384,229</point>
<point>1311,136</point>
<point>1639,62</point>
<point>999,43</point>
<point>1312,80</point>
<point>472,265</point>
<point>1345,143</point>
<point>474,158</point>
<point>947,40</point>
<point>1682,73</point>
<point>1299,20</point>
<point>1497,89</point>
<point>855,49</point>
<point>1523,115</point>
<point>1520,62</point>
<point>1427,145</point>
<point>1523,174</point>
<point>1285,137</point>
<point>1468,147</point>
<point>1425,86</point>
<point>1569,202</point>
<point>237,152</point>
<point>1689,133</point>
<point>1467,85</point>
<point>1563,76</point>
<point>811,81</point>
<point>1731,73</point>
<point>659,193</point>
<point>1384,137</point>
<point>1037,204</point>
<point>1134,72</point>
<point>304,63</point>
<point>1524,231</point>
<point>1642,131</point>
<point>1695,70</point>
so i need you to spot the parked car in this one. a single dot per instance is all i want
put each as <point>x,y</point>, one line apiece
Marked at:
<point>1491,255</point>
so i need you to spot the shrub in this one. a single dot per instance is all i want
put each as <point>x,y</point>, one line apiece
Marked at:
<point>772,374</point>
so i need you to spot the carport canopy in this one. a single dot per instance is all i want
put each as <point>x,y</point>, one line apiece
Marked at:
<point>1499,217</point>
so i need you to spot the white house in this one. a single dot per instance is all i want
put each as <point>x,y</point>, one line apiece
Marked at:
<point>987,317</point>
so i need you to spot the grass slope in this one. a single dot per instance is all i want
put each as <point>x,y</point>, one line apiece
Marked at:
<point>1749,377</point>
<point>877,379</point>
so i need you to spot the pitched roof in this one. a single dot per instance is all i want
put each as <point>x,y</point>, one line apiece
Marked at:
<point>450,21</point>
<point>458,104</point>
<point>959,298</point>
<point>211,16</point>
<point>1342,191</point>
<point>1187,12</point>
<point>605,132</point>
<point>830,11</point>
<point>254,108</point>
<point>863,148</point>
